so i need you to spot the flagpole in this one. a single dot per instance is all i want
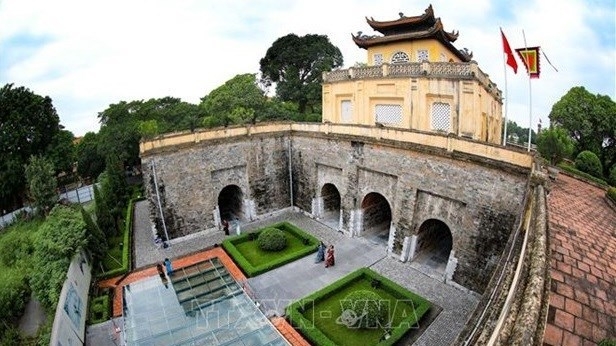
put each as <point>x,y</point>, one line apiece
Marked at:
<point>530,93</point>
<point>506,100</point>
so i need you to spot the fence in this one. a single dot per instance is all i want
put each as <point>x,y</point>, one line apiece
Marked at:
<point>81,195</point>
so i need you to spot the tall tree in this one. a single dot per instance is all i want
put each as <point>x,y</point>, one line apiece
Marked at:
<point>296,64</point>
<point>90,163</point>
<point>238,101</point>
<point>591,122</point>
<point>42,183</point>
<point>28,124</point>
<point>61,151</point>
<point>554,144</point>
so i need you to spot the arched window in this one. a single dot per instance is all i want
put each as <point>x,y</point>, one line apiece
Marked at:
<point>400,58</point>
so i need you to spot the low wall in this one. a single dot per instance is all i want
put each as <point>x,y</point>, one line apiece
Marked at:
<point>70,320</point>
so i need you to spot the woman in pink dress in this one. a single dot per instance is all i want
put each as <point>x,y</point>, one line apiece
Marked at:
<point>329,257</point>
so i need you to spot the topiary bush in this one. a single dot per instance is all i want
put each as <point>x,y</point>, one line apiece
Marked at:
<point>588,162</point>
<point>363,309</point>
<point>272,239</point>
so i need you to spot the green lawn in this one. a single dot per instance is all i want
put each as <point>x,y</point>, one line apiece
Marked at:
<point>318,315</point>
<point>113,259</point>
<point>253,261</point>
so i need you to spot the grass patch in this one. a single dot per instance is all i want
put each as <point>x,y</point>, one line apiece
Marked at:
<point>318,316</point>
<point>245,250</point>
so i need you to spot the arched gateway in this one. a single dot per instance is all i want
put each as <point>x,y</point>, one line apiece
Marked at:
<point>331,205</point>
<point>376,218</point>
<point>434,245</point>
<point>230,203</point>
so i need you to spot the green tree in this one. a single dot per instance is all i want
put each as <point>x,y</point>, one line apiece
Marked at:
<point>104,219</point>
<point>90,163</point>
<point>238,101</point>
<point>296,64</point>
<point>96,240</point>
<point>119,133</point>
<point>28,124</point>
<point>520,132</point>
<point>59,239</point>
<point>42,183</point>
<point>61,151</point>
<point>148,129</point>
<point>554,144</point>
<point>114,188</point>
<point>591,122</point>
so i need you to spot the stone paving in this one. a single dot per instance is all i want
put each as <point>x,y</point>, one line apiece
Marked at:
<point>300,278</point>
<point>582,307</point>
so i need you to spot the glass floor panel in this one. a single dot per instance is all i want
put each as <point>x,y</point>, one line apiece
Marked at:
<point>202,305</point>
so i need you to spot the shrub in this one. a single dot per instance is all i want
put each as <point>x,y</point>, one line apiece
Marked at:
<point>367,310</point>
<point>612,176</point>
<point>611,193</point>
<point>272,239</point>
<point>14,293</point>
<point>588,162</point>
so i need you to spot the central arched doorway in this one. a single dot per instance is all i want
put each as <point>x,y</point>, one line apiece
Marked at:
<point>331,206</point>
<point>376,217</point>
<point>434,244</point>
<point>230,203</point>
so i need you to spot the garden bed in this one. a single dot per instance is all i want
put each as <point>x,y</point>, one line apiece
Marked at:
<point>253,260</point>
<point>319,316</point>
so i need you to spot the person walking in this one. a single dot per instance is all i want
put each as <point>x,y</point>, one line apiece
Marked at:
<point>168,266</point>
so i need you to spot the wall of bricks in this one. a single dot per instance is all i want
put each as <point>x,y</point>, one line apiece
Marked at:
<point>478,203</point>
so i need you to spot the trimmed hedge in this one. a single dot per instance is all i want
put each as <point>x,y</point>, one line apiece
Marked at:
<point>230,245</point>
<point>367,310</point>
<point>99,309</point>
<point>295,311</point>
<point>126,245</point>
<point>581,174</point>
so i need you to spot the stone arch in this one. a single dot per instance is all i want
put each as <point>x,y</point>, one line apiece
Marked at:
<point>376,218</point>
<point>231,203</point>
<point>434,244</point>
<point>331,205</point>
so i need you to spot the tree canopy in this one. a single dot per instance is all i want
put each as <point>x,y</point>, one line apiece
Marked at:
<point>28,125</point>
<point>296,64</point>
<point>554,144</point>
<point>238,101</point>
<point>591,122</point>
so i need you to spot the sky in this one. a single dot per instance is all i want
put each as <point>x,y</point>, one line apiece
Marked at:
<point>86,55</point>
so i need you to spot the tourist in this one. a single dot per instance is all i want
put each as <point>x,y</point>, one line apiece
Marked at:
<point>159,268</point>
<point>329,258</point>
<point>169,267</point>
<point>320,253</point>
<point>225,226</point>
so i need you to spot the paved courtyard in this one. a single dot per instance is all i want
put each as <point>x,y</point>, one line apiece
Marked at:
<point>275,289</point>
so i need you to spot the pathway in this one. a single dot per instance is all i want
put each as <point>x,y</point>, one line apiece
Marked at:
<point>583,264</point>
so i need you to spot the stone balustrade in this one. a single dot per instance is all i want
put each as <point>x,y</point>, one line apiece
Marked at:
<point>452,70</point>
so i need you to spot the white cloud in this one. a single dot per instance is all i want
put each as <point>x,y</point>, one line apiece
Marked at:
<point>88,55</point>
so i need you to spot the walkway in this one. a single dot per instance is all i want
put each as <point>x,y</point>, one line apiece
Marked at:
<point>583,260</point>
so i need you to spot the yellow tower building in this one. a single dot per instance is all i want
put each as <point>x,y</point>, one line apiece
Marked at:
<point>415,79</point>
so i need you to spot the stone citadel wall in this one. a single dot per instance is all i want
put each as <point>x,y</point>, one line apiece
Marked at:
<point>478,202</point>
